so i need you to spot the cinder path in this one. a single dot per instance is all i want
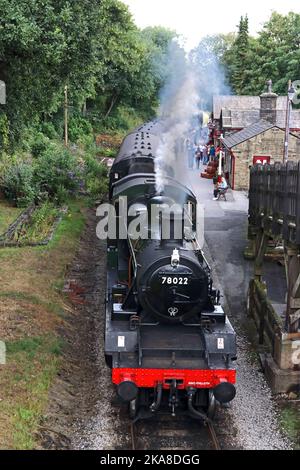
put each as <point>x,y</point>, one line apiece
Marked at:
<point>225,227</point>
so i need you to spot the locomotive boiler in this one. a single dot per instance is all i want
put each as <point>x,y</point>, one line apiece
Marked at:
<point>167,339</point>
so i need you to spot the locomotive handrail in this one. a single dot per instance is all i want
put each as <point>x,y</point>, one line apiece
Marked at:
<point>133,255</point>
<point>200,249</point>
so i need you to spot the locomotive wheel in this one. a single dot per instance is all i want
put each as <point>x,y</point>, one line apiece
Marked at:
<point>210,408</point>
<point>248,308</point>
<point>212,405</point>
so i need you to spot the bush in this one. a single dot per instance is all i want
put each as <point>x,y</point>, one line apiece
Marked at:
<point>55,169</point>
<point>79,127</point>
<point>96,188</point>
<point>18,184</point>
<point>95,176</point>
<point>46,170</point>
<point>4,132</point>
<point>48,129</point>
<point>122,119</point>
<point>40,224</point>
<point>39,144</point>
<point>61,195</point>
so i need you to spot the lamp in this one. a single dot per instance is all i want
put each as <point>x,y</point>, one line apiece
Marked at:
<point>291,93</point>
<point>290,96</point>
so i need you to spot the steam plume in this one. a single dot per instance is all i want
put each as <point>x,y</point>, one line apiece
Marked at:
<point>190,87</point>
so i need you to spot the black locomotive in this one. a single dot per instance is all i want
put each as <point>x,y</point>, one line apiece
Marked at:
<point>167,339</point>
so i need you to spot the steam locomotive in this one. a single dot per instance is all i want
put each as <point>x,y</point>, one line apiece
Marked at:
<point>167,339</point>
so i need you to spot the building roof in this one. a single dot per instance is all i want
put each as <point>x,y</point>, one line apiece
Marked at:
<point>247,133</point>
<point>294,122</point>
<point>234,102</point>
<point>239,119</point>
<point>241,103</point>
<point>238,112</point>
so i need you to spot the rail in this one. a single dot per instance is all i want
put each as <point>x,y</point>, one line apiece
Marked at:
<point>188,438</point>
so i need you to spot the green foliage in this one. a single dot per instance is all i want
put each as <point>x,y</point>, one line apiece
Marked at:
<point>54,173</point>
<point>38,144</point>
<point>278,53</point>
<point>40,224</point>
<point>8,214</point>
<point>97,51</point>
<point>218,45</point>
<point>45,44</point>
<point>274,54</point>
<point>54,169</point>
<point>290,420</point>
<point>239,58</point>
<point>48,129</point>
<point>95,175</point>
<point>79,128</point>
<point>113,72</point>
<point>18,184</point>
<point>37,361</point>
<point>4,132</point>
<point>122,119</point>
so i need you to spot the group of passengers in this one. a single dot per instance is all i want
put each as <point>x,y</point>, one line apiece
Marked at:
<point>203,154</point>
<point>200,153</point>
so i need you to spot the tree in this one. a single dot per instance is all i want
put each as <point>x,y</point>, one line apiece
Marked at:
<point>45,44</point>
<point>278,52</point>
<point>135,61</point>
<point>274,54</point>
<point>239,58</point>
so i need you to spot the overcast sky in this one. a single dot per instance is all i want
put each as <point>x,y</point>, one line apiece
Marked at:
<point>197,18</point>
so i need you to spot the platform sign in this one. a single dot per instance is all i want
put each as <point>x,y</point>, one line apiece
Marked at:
<point>261,160</point>
<point>2,92</point>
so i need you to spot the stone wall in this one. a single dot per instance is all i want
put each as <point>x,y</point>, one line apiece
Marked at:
<point>269,143</point>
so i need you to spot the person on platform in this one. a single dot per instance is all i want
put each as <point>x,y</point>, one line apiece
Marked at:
<point>198,157</point>
<point>190,153</point>
<point>220,187</point>
<point>212,152</point>
<point>205,155</point>
<point>202,147</point>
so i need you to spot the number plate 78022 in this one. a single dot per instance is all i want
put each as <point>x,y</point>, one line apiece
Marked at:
<point>175,280</point>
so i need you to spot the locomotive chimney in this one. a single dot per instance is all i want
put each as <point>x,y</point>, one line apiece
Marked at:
<point>268,105</point>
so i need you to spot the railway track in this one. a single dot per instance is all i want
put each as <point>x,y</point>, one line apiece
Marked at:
<point>166,434</point>
<point>213,436</point>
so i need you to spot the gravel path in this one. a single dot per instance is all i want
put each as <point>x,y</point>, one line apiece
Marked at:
<point>254,412</point>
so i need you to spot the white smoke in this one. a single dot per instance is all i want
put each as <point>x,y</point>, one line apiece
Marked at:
<point>178,113</point>
<point>192,83</point>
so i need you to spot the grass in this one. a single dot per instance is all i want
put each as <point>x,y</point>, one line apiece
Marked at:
<point>36,361</point>
<point>290,420</point>
<point>8,215</point>
<point>40,225</point>
<point>31,311</point>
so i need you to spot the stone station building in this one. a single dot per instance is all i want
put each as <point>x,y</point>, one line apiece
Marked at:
<point>251,130</point>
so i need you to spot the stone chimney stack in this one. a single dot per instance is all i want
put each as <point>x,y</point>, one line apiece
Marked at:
<point>268,105</point>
